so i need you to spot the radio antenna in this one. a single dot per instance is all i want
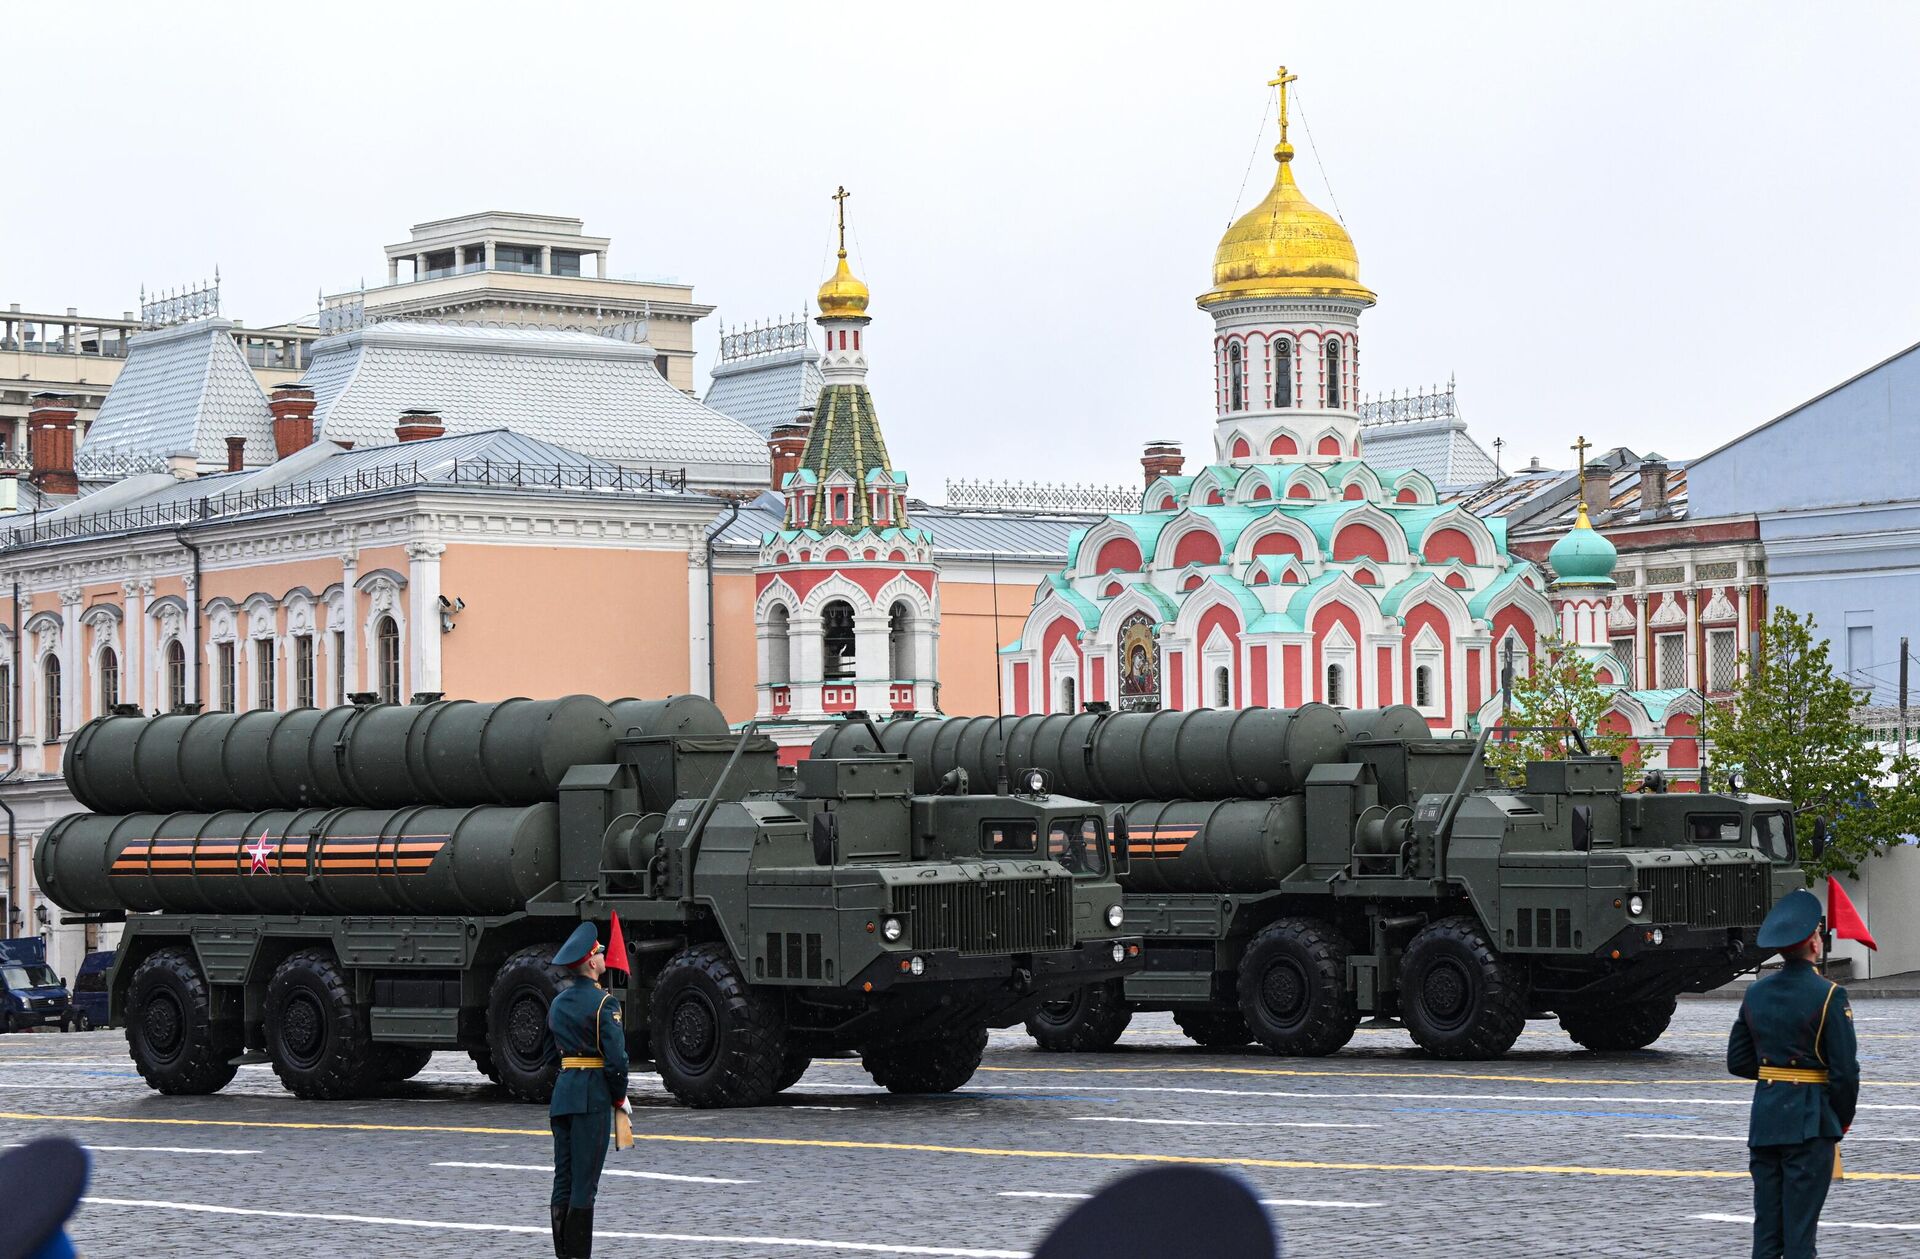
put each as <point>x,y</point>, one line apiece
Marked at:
<point>999,695</point>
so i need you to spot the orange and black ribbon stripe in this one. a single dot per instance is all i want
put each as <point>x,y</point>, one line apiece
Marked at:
<point>1160,841</point>
<point>342,855</point>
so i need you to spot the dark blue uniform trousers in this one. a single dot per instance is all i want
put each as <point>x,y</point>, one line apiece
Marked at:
<point>579,1151</point>
<point>1789,1188</point>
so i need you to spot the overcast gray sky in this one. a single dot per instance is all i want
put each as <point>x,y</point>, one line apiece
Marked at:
<point>1653,224</point>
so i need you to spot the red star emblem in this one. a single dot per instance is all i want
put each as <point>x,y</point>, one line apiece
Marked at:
<point>260,849</point>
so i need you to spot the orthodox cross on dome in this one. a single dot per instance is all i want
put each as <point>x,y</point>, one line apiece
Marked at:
<point>1580,447</point>
<point>1281,81</point>
<point>840,196</point>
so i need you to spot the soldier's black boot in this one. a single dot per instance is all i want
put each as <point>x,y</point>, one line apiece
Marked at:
<point>559,1231</point>
<point>579,1233</point>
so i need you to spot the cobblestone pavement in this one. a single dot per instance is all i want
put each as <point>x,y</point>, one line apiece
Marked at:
<point>1377,1150</point>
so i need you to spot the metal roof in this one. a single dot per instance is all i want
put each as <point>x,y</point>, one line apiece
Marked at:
<point>956,534</point>
<point>587,393</point>
<point>183,389</point>
<point>1440,448</point>
<point>770,389</point>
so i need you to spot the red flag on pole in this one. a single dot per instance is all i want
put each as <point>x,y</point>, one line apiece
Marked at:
<point>1845,919</point>
<point>617,946</point>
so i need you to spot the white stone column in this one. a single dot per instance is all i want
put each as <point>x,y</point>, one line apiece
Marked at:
<point>459,257</point>
<point>808,663</point>
<point>1696,679</point>
<point>419,266</point>
<point>423,599</point>
<point>1745,610</point>
<point>393,271</point>
<point>133,669</point>
<point>872,661</point>
<point>350,622</point>
<point>489,255</point>
<point>600,265</point>
<point>546,260</point>
<point>697,618</point>
<point>74,674</point>
<point>1642,642</point>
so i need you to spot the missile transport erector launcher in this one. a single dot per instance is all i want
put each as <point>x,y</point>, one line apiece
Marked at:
<point>340,892</point>
<point>1296,870</point>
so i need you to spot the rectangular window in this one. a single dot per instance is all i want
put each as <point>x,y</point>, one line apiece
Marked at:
<point>228,682</point>
<point>1670,654</point>
<point>6,702</point>
<point>303,671</point>
<point>1723,659</point>
<point>265,695</point>
<point>1009,837</point>
<point>856,338</point>
<point>339,666</point>
<point>1623,652</point>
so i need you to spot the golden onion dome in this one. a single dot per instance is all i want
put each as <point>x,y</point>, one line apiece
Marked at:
<point>1286,247</point>
<point>843,296</point>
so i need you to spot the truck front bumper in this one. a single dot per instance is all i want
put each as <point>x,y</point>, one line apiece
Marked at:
<point>1023,973</point>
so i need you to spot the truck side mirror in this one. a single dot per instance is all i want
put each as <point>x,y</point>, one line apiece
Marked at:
<point>1122,848</point>
<point>1818,844</point>
<point>826,837</point>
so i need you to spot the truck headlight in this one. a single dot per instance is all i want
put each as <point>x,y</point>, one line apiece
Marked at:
<point>1659,936</point>
<point>918,965</point>
<point>1636,905</point>
<point>1119,953</point>
<point>1115,915</point>
<point>891,930</point>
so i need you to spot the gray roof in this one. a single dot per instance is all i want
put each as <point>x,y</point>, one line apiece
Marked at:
<point>185,388</point>
<point>766,390</point>
<point>588,393</point>
<point>1438,447</point>
<point>956,534</point>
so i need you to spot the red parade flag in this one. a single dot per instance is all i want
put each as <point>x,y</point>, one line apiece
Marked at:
<point>617,947</point>
<point>1845,919</point>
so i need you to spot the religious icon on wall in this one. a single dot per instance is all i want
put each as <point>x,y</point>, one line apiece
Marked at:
<point>1139,665</point>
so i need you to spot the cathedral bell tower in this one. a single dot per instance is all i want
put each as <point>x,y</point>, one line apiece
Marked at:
<point>1286,303</point>
<point>846,603</point>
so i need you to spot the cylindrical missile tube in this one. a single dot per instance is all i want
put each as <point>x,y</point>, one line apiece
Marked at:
<point>1214,845</point>
<point>1395,721</point>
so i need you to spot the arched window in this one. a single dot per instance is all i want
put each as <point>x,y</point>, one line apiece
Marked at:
<point>1236,379</point>
<point>387,635</point>
<point>1334,383</point>
<point>176,675</point>
<point>836,641</point>
<point>109,680</point>
<point>1222,688</point>
<point>50,688</point>
<point>900,642</point>
<point>1336,689</point>
<point>1282,373</point>
<point>1423,687</point>
<point>779,646</point>
<point>1066,696</point>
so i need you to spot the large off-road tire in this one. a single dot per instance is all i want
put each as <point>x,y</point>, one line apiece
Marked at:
<point>316,1036</point>
<point>927,1066</point>
<point>1458,997</point>
<point>394,1063</point>
<point>1631,1025</point>
<point>483,1063</point>
<point>174,1040</point>
<point>792,1067</point>
<point>1086,1020</point>
<point>717,1041</point>
<point>1214,1029</point>
<point>1293,988</point>
<point>525,1061</point>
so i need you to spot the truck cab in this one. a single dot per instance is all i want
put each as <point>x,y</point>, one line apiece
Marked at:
<point>31,994</point>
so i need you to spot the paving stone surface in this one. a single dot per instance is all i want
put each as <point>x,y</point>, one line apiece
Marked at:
<point>1374,1151</point>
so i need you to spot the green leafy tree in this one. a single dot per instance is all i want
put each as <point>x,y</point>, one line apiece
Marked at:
<point>1789,730</point>
<point>1560,690</point>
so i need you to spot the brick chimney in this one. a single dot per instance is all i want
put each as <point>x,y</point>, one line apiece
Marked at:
<point>786,444</point>
<point>417,424</point>
<point>1162,458</point>
<point>52,422</point>
<point>1653,487</point>
<point>292,407</point>
<point>1596,487</point>
<point>236,454</point>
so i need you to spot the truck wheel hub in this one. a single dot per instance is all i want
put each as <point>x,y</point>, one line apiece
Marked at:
<point>1283,991</point>
<point>302,1031</point>
<point>527,1028</point>
<point>694,1031</point>
<point>1445,993</point>
<point>161,1024</point>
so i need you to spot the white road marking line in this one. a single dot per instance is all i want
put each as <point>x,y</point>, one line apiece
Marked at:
<point>1216,1123</point>
<point>611,1171</point>
<point>1700,1136</point>
<point>544,1230</point>
<point>1718,1217</point>
<point>144,1149</point>
<point>1417,1097</point>
<point>1271,1202</point>
<point>1037,1193</point>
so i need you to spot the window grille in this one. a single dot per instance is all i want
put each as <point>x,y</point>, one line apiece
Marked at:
<point>1671,656</point>
<point>1723,659</point>
<point>1623,652</point>
<point>1335,676</point>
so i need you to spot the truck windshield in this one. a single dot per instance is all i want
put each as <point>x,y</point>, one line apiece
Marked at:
<point>29,976</point>
<point>1716,828</point>
<point>1008,837</point>
<point>1773,835</point>
<point>1079,844</point>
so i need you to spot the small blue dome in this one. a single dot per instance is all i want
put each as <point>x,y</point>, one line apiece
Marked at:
<point>1583,557</point>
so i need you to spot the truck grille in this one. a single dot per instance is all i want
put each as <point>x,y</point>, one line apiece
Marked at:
<point>1003,916</point>
<point>1709,896</point>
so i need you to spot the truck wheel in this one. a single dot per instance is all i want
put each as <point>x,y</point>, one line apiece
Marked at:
<point>1459,998</point>
<point>1632,1025</point>
<point>1086,1020</point>
<point>1215,1029</point>
<point>395,1063</point>
<point>716,1041</point>
<point>316,1036</point>
<point>927,1066</point>
<point>518,1043</point>
<point>171,1033</point>
<point>483,1063</point>
<point>1293,988</point>
<point>791,1069</point>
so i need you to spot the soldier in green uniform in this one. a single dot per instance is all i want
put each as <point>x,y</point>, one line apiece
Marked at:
<point>1795,1037</point>
<point>592,1043</point>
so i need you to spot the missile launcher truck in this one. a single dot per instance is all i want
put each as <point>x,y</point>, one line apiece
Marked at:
<point>340,892</point>
<point>1295,870</point>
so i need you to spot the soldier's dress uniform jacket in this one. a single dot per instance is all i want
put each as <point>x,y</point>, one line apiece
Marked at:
<point>588,1032</point>
<point>1795,1039</point>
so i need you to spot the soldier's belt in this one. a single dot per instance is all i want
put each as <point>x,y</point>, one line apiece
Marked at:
<point>1794,1075</point>
<point>595,1064</point>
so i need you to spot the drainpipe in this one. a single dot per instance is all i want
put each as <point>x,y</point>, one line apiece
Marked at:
<point>198,685</point>
<point>713,683</point>
<point>13,704</point>
<point>13,854</point>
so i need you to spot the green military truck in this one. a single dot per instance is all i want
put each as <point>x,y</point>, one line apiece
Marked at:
<point>1296,870</point>
<point>341,892</point>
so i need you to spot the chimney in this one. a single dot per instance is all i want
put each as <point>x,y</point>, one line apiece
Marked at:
<point>1596,487</point>
<point>1162,458</point>
<point>292,407</point>
<point>786,444</point>
<point>417,424</point>
<point>236,454</point>
<point>184,467</point>
<point>1653,487</point>
<point>52,419</point>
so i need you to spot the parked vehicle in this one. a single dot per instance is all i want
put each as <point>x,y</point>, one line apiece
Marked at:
<point>31,994</point>
<point>90,992</point>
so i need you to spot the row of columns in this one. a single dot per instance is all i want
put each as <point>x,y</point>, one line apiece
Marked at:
<point>489,252</point>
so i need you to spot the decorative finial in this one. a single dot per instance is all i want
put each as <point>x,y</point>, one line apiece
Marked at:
<point>1281,151</point>
<point>1580,447</point>
<point>840,196</point>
